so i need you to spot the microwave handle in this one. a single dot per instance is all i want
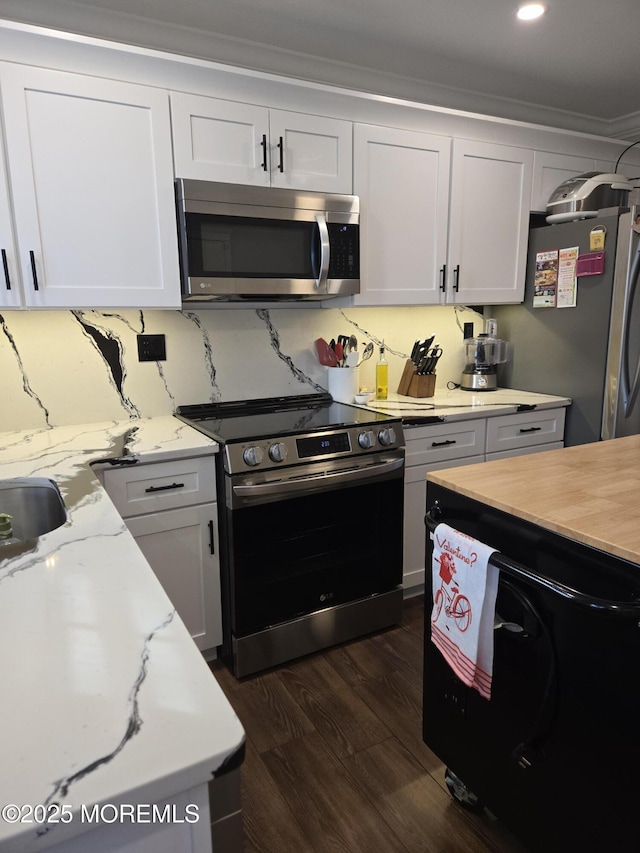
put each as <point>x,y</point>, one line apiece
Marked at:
<point>325,250</point>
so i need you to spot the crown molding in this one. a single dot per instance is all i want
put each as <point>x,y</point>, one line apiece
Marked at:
<point>77,18</point>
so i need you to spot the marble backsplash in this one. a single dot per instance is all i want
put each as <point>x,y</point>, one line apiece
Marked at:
<point>67,367</point>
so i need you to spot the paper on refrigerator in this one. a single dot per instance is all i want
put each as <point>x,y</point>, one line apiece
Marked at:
<point>567,278</point>
<point>546,279</point>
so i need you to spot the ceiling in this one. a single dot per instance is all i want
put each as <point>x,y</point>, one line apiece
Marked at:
<point>575,68</point>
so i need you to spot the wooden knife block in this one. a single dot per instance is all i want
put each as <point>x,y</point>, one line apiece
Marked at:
<point>412,385</point>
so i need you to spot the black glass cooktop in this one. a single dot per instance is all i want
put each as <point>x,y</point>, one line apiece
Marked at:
<point>241,420</point>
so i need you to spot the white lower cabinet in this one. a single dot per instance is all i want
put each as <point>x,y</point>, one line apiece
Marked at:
<point>170,509</point>
<point>525,451</point>
<point>182,549</point>
<point>449,445</point>
<point>431,448</point>
<point>525,430</point>
<point>415,497</point>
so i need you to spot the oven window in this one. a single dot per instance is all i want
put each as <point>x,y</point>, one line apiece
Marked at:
<point>244,247</point>
<point>296,556</point>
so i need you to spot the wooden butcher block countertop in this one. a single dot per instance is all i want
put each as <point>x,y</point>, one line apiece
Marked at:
<point>589,493</point>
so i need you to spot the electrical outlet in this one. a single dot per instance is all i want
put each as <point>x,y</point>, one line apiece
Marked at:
<point>468,330</point>
<point>152,348</point>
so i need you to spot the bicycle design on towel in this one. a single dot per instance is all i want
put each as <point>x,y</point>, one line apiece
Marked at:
<point>456,605</point>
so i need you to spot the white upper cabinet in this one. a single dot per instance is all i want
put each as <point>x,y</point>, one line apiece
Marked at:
<point>402,178</point>
<point>422,243</point>
<point>91,179</point>
<point>311,152</point>
<point>550,170</point>
<point>217,140</point>
<point>488,223</point>
<point>10,290</point>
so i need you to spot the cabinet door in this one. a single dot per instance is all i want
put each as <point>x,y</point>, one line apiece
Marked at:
<point>415,497</point>
<point>10,290</point>
<point>489,223</point>
<point>178,545</point>
<point>91,174</point>
<point>550,170</point>
<point>216,140</point>
<point>311,152</point>
<point>402,178</point>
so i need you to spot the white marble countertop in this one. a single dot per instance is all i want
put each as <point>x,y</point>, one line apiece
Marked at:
<point>105,697</point>
<point>457,405</point>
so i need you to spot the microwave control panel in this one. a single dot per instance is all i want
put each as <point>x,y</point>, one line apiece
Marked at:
<point>345,250</point>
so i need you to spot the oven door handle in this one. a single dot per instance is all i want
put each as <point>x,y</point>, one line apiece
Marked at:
<point>319,481</point>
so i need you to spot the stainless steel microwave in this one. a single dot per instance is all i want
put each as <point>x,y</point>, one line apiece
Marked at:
<point>262,243</point>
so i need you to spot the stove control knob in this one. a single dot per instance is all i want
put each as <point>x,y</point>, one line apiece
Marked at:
<point>253,455</point>
<point>387,436</point>
<point>278,452</point>
<point>366,439</point>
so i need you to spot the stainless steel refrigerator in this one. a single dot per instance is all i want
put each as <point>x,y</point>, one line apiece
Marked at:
<point>590,352</point>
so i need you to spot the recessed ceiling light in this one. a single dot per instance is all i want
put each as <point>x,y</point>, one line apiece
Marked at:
<point>531,11</point>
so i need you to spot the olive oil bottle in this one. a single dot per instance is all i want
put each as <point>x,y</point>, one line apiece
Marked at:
<point>382,376</point>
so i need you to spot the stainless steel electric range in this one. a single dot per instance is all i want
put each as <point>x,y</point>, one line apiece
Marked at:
<point>310,498</point>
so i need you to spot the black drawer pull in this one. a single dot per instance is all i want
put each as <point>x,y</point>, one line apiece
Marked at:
<point>7,279</point>
<point>443,278</point>
<point>34,272</point>
<point>165,488</point>
<point>456,278</point>
<point>211,542</point>
<point>531,429</point>
<point>443,443</point>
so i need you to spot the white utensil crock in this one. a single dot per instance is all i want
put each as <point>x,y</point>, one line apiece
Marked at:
<point>343,383</point>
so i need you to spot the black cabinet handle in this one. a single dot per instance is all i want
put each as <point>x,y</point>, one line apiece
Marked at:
<point>5,265</point>
<point>165,488</point>
<point>33,271</point>
<point>264,151</point>
<point>531,429</point>
<point>281,149</point>
<point>456,278</point>
<point>211,542</point>
<point>443,443</point>
<point>443,278</point>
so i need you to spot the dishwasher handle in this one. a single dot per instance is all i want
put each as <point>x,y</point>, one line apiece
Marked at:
<point>517,570</point>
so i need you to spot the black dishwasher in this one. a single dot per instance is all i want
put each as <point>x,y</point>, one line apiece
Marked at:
<point>554,753</point>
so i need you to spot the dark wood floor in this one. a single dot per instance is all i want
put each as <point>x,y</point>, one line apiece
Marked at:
<point>335,761</point>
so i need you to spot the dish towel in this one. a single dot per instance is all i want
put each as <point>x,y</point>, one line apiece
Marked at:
<point>464,598</point>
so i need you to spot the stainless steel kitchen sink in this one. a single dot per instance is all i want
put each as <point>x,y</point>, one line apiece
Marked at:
<point>34,504</point>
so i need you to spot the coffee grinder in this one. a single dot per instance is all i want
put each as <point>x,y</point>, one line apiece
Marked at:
<point>482,355</point>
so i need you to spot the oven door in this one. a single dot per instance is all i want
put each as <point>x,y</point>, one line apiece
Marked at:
<point>312,541</point>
